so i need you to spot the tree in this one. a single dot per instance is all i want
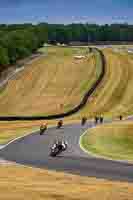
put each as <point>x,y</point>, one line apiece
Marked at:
<point>4,59</point>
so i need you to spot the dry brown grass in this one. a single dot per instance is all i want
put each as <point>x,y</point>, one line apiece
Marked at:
<point>49,85</point>
<point>114,95</point>
<point>33,184</point>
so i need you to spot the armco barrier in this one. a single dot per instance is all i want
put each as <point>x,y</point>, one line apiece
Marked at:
<point>70,112</point>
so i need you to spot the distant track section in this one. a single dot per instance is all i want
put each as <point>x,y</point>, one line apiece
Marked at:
<point>70,112</point>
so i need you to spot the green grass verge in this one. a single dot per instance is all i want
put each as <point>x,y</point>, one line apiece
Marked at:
<point>114,141</point>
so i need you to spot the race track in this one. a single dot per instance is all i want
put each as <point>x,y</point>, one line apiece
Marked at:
<point>33,150</point>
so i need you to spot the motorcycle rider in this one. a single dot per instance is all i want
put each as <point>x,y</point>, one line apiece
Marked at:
<point>120,117</point>
<point>43,128</point>
<point>58,147</point>
<point>64,144</point>
<point>96,119</point>
<point>59,124</point>
<point>83,121</point>
<point>60,144</point>
<point>101,119</point>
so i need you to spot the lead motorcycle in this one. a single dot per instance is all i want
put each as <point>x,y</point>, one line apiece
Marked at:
<point>58,148</point>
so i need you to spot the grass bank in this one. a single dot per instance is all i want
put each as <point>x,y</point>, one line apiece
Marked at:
<point>25,183</point>
<point>111,140</point>
<point>114,95</point>
<point>52,84</point>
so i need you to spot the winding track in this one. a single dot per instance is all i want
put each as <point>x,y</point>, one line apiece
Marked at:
<point>33,150</point>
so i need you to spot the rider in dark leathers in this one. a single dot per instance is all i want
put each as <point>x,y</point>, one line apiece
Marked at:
<point>120,117</point>
<point>96,119</point>
<point>83,121</point>
<point>60,124</point>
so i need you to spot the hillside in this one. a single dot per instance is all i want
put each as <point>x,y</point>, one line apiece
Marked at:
<point>114,95</point>
<point>51,84</point>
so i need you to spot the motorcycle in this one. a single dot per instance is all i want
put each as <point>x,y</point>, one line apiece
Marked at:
<point>59,124</point>
<point>42,130</point>
<point>83,121</point>
<point>64,145</point>
<point>54,152</point>
<point>58,148</point>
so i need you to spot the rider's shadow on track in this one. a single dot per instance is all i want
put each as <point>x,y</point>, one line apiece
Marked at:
<point>68,157</point>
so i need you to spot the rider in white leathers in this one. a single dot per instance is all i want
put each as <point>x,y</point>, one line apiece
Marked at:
<point>60,144</point>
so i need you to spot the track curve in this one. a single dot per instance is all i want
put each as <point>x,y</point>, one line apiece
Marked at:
<point>33,150</point>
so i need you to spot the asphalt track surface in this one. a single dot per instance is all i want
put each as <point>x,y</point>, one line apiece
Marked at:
<point>33,150</point>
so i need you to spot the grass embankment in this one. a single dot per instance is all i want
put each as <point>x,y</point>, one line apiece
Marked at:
<point>49,85</point>
<point>114,95</point>
<point>25,183</point>
<point>111,140</point>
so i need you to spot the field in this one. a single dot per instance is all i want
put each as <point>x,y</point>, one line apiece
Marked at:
<point>111,140</point>
<point>28,183</point>
<point>51,84</point>
<point>113,96</point>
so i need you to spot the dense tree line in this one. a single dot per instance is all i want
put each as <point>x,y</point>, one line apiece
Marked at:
<point>90,32</point>
<point>21,40</point>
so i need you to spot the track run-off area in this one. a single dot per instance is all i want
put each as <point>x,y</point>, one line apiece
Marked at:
<point>33,150</point>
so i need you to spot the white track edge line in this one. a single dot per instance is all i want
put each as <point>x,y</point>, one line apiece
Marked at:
<point>80,144</point>
<point>20,137</point>
<point>17,138</point>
